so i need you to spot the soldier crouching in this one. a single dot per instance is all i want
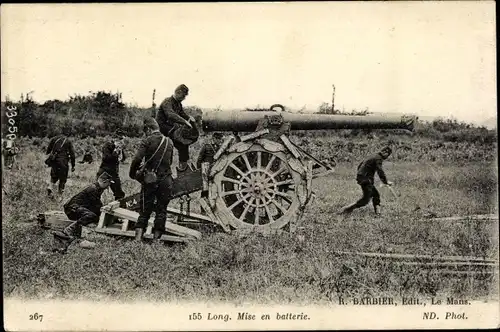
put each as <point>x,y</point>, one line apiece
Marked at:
<point>155,177</point>
<point>84,208</point>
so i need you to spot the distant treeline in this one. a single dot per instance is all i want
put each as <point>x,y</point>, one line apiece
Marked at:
<point>101,113</point>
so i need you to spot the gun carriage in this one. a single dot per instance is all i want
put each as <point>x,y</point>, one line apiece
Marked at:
<point>260,181</point>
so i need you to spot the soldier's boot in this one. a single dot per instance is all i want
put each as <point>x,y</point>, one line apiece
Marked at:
<point>65,237</point>
<point>183,166</point>
<point>138,234</point>
<point>347,209</point>
<point>156,236</point>
<point>69,232</point>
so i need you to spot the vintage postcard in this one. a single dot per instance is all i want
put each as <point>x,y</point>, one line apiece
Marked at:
<point>249,166</point>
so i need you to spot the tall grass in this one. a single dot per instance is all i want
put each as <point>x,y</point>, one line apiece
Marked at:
<point>297,268</point>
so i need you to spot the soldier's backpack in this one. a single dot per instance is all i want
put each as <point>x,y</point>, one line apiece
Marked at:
<point>52,156</point>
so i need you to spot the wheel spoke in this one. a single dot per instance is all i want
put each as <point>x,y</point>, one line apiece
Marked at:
<point>245,158</point>
<point>278,172</point>
<point>238,202</point>
<point>281,208</point>
<point>281,183</point>
<point>286,197</point>
<point>226,179</point>
<point>259,159</point>
<point>233,166</point>
<point>270,163</point>
<point>269,215</point>
<point>243,215</point>
<point>232,192</point>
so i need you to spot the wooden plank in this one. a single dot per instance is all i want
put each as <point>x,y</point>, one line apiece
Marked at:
<point>125,225</point>
<point>256,134</point>
<point>472,217</point>
<point>416,257</point>
<point>204,205</point>
<point>227,142</point>
<point>164,237</point>
<point>171,227</point>
<point>290,146</point>
<point>437,264</point>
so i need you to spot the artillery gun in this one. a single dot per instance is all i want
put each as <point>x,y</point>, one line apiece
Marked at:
<point>259,181</point>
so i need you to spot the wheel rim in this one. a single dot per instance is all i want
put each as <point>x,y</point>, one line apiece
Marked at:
<point>257,189</point>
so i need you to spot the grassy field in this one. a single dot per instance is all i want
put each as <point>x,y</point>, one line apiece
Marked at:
<point>298,268</point>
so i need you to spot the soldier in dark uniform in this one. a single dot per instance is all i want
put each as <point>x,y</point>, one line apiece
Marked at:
<point>365,178</point>
<point>209,149</point>
<point>207,153</point>
<point>170,117</point>
<point>112,155</point>
<point>62,149</point>
<point>157,151</point>
<point>87,156</point>
<point>84,208</point>
<point>9,152</point>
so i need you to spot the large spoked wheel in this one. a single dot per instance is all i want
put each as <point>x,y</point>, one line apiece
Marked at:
<point>258,186</point>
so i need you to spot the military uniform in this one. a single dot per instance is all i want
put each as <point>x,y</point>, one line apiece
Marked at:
<point>365,177</point>
<point>170,118</point>
<point>84,208</point>
<point>111,157</point>
<point>62,148</point>
<point>9,151</point>
<point>207,153</point>
<point>160,190</point>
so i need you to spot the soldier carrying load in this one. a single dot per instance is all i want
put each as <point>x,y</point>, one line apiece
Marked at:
<point>175,124</point>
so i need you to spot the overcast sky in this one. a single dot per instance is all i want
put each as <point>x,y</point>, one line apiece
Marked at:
<point>431,59</point>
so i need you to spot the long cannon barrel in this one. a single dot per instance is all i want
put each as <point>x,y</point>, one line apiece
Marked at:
<point>242,121</point>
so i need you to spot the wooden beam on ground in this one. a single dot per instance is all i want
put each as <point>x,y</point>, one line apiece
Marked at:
<point>472,217</point>
<point>170,227</point>
<point>419,257</point>
<point>115,231</point>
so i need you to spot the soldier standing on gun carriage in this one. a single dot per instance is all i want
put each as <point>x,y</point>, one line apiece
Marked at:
<point>61,152</point>
<point>112,155</point>
<point>365,178</point>
<point>173,121</point>
<point>155,177</point>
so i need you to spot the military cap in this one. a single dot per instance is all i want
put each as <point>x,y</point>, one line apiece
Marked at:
<point>106,177</point>
<point>182,88</point>
<point>149,122</point>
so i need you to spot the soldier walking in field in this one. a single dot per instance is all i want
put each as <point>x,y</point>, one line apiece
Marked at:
<point>112,155</point>
<point>365,178</point>
<point>9,152</point>
<point>155,176</point>
<point>84,208</point>
<point>61,152</point>
<point>172,119</point>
